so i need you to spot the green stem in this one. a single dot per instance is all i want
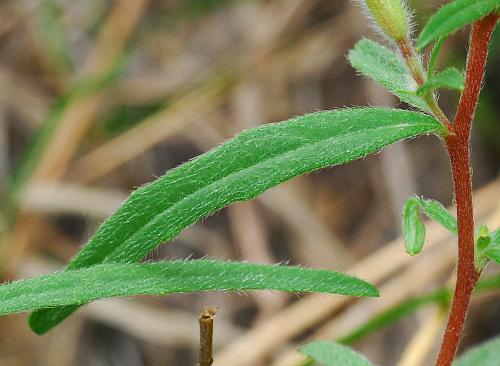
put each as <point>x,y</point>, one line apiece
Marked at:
<point>417,72</point>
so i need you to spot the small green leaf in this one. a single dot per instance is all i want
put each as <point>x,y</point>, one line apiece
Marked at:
<point>386,68</point>
<point>449,78</point>
<point>454,16</point>
<point>109,280</point>
<point>436,211</point>
<point>484,239</point>
<point>434,56</point>
<point>487,247</point>
<point>334,354</point>
<point>486,354</point>
<point>495,237</point>
<point>492,247</point>
<point>413,228</point>
<point>238,170</point>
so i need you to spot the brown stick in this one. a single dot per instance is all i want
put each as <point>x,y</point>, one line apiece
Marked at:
<point>458,146</point>
<point>206,320</point>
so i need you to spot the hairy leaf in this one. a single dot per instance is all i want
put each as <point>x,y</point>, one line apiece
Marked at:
<point>334,354</point>
<point>386,68</point>
<point>486,354</point>
<point>160,278</point>
<point>434,56</point>
<point>414,229</point>
<point>238,170</point>
<point>454,16</point>
<point>449,78</point>
<point>436,211</point>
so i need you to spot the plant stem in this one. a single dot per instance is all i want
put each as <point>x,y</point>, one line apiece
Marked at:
<point>458,146</point>
<point>412,60</point>
<point>206,320</point>
<point>417,72</point>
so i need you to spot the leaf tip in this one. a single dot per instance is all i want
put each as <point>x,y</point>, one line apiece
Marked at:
<point>372,291</point>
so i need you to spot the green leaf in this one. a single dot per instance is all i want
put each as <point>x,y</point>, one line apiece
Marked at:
<point>386,68</point>
<point>486,354</point>
<point>492,251</point>
<point>413,228</point>
<point>160,278</point>
<point>486,248</point>
<point>436,211</point>
<point>454,16</point>
<point>434,56</point>
<point>449,78</point>
<point>495,237</point>
<point>334,354</point>
<point>238,170</point>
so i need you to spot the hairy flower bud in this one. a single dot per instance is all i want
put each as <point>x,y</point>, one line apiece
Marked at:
<point>391,17</point>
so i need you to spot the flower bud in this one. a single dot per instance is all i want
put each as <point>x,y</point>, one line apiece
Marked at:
<point>391,17</point>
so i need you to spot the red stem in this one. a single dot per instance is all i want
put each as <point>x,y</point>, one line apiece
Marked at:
<point>458,146</point>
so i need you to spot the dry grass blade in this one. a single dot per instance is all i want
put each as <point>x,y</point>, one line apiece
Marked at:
<point>60,198</point>
<point>77,117</point>
<point>424,340</point>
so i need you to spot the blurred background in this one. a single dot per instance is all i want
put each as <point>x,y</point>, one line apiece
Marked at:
<point>99,97</point>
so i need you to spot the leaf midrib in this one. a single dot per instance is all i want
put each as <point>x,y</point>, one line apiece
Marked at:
<point>271,160</point>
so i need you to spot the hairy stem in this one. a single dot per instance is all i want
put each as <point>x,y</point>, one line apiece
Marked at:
<point>417,72</point>
<point>206,320</point>
<point>458,146</point>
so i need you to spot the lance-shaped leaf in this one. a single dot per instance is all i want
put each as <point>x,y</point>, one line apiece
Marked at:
<point>486,354</point>
<point>160,278</point>
<point>449,78</point>
<point>334,354</point>
<point>414,229</point>
<point>454,16</point>
<point>238,170</point>
<point>434,56</point>
<point>386,68</point>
